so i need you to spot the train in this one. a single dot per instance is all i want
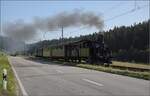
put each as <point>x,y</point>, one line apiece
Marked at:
<point>89,51</point>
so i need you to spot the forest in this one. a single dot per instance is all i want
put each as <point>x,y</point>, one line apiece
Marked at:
<point>129,43</point>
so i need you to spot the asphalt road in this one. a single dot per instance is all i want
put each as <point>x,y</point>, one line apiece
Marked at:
<point>41,78</point>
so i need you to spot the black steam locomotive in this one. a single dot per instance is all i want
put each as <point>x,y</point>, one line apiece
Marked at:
<point>91,51</point>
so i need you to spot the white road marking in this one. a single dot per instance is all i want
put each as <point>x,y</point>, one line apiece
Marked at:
<point>59,71</point>
<point>93,82</point>
<point>24,93</point>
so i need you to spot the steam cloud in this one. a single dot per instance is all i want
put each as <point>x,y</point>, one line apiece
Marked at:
<point>26,31</point>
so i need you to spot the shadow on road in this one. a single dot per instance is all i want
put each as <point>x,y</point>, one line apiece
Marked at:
<point>50,61</point>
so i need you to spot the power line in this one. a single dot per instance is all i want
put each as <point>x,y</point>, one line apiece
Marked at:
<point>110,9</point>
<point>114,17</point>
<point>122,14</point>
<point>113,7</point>
<point>81,28</point>
<point>44,33</point>
<point>127,12</point>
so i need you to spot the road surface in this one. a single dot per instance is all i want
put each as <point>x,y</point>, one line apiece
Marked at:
<point>41,78</point>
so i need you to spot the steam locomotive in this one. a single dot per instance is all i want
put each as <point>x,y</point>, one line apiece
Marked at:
<point>90,51</point>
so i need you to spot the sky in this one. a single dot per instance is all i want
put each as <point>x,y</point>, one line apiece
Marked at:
<point>114,13</point>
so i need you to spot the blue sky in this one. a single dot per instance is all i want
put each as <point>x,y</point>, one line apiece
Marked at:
<point>26,10</point>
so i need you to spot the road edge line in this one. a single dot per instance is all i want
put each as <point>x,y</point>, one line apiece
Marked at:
<point>93,82</point>
<point>24,93</point>
<point>59,71</point>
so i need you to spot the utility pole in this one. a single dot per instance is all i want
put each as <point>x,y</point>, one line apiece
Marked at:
<point>62,33</point>
<point>1,38</point>
<point>43,40</point>
<point>135,4</point>
<point>24,48</point>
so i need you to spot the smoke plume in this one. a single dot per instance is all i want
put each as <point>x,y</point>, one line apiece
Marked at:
<point>27,31</point>
<point>73,19</point>
<point>20,30</point>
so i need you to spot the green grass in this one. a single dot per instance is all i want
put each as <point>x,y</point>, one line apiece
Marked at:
<point>132,65</point>
<point>11,87</point>
<point>135,74</point>
<point>141,75</point>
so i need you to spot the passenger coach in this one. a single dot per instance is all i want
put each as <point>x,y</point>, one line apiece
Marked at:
<point>84,50</point>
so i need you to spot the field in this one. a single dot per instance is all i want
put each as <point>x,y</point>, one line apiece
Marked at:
<point>11,88</point>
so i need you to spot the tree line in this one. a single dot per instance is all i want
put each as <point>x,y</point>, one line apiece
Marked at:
<point>130,43</point>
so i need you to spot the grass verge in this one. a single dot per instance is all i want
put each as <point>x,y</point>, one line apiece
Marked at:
<point>11,84</point>
<point>141,75</point>
<point>131,65</point>
<point>136,74</point>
